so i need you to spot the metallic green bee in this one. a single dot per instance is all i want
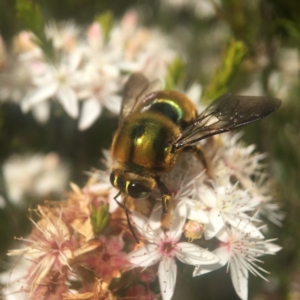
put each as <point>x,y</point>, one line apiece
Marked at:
<point>155,126</point>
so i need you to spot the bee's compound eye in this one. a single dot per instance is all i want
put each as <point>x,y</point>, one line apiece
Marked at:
<point>112,179</point>
<point>138,191</point>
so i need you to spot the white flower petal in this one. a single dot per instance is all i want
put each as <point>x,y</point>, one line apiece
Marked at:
<point>208,196</point>
<point>239,277</point>
<point>113,104</point>
<point>41,112</point>
<point>272,248</point>
<point>38,95</point>
<point>91,109</point>
<point>247,227</point>
<point>167,273</point>
<point>215,225</point>
<point>195,211</point>
<point>192,254</point>
<point>113,205</point>
<point>154,222</point>
<point>223,254</point>
<point>222,235</point>
<point>145,256</point>
<point>194,93</point>
<point>68,100</point>
<point>178,221</point>
<point>143,225</point>
<point>203,269</point>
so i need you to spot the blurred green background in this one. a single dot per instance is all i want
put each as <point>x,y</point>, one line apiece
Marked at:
<point>244,47</point>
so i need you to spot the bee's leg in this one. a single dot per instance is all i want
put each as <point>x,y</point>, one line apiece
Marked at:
<point>198,151</point>
<point>119,203</point>
<point>164,193</point>
<point>127,216</point>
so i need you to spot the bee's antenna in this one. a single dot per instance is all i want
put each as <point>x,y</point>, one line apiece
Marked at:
<point>123,206</point>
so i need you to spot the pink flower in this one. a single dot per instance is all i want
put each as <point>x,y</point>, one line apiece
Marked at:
<point>108,260</point>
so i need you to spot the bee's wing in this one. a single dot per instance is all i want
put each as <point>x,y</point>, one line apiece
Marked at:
<point>224,114</point>
<point>135,89</point>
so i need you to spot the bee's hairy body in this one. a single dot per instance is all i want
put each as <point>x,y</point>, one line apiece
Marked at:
<point>156,126</point>
<point>142,146</point>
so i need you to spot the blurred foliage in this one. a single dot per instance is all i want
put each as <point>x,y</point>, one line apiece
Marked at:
<point>175,74</point>
<point>29,15</point>
<point>263,27</point>
<point>106,21</point>
<point>30,18</point>
<point>231,60</point>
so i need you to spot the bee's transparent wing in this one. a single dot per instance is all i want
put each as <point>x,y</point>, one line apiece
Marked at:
<point>224,114</point>
<point>135,89</point>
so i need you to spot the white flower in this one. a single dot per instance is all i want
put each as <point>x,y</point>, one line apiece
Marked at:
<point>139,49</point>
<point>164,247</point>
<point>35,175</point>
<point>98,90</point>
<point>15,81</point>
<point>219,206</point>
<point>241,251</point>
<point>50,247</point>
<point>14,280</point>
<point>59,82</point>
<point>241,160</point>
<point>181,181</point>
<point>266,207</point>
<point>63,35</point>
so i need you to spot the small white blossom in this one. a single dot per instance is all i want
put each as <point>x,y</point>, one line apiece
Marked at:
<point>34,175</point>
<point>58,82</point>
<point>241,251</point>
<point>241,160</point>
<point>219,206</point>
<point>164,247</point>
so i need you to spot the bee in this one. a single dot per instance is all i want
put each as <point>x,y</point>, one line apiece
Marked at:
<point>156,126</point>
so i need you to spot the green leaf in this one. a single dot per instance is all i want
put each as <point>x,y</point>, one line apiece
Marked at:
<point>30,17</point>
<point>106,21</point>
<point>291,28</point>
<point>100,217</point>
<point>232,59</point>
<point>175,73</point>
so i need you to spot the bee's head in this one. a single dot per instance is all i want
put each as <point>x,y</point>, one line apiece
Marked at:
<point>135,185</point>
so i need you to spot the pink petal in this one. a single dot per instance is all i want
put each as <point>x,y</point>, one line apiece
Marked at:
<point>167,273</point>
<point>91,109</point>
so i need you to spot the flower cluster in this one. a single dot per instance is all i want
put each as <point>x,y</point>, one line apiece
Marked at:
<point>79,247</point>
<point>87,66</point>
<point>34,176</point>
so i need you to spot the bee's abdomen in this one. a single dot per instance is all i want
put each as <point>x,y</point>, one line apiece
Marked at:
<point>145,140</point>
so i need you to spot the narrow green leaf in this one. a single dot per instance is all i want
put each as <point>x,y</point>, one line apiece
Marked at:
<point>232,59</point>
<point>106,20</point>
<point>175,73</point>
